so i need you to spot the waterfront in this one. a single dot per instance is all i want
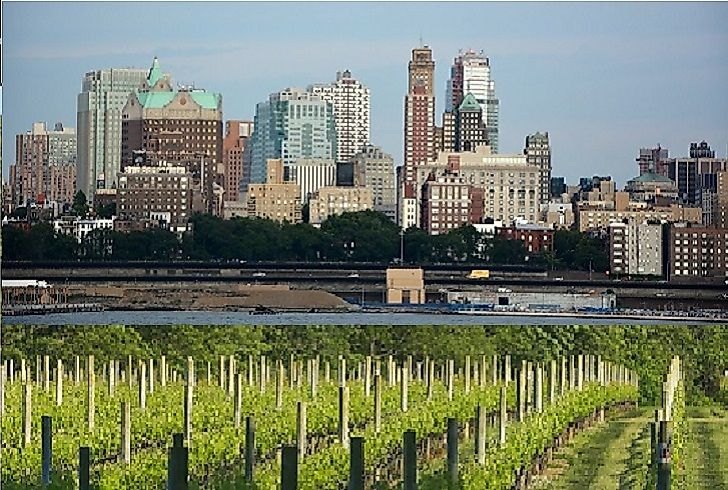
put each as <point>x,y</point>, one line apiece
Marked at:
<point>355,318</point>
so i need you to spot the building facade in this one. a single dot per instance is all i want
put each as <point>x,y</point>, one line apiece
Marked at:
<point>160,195</point>
<point>470,73</point>
<point>237,134</point>
<point>419,108</point>
<point>697,251</point>
<point>600,219</point>
<point>470,130</point>
<point>276,199</point>
<point>45,168</point>
<point>652,188</point>
<point>350,101</point>
<point>179,127</point>
<point>538,153</point>
<point>312,175</point>
<point>635,248</point>
<point>332,201</point>
<point>373,168</point>
<point>653,160</point>
<point>98,122</point>
<point>290,125</point>
<point>535,238</point>
<point>449,202</point>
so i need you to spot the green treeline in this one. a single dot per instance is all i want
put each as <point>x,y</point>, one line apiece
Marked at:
<point>645,349</point>
<point>365,236</point>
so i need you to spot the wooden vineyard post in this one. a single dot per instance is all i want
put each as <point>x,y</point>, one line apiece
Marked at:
<point>539,388</point>
<point>151,376</point>
<point>530,387</point>
<point>452,452</point>
<point>221,373</point>
<point>503,416</point>
<point>344,415</point>
<point>430,380</point>
<point>111,382</point>
<point>38,378</point>
<point>129,372</point>
<point>59,383</point>
<point>84,468</point>
<point>367,376</point>
<point>46,373</point>
<point>377,403</point>
<point>390,371</point>
<point>231,376</point>
<point>90,392</point>
<point>262,374</point>
<point>552,382</point>
<point>251,371</point>
<point>562,384</point>
<point>507,370</point>
<point>403,399</point>
<point>342,371</point>
<point>46,450</point>
<point>450,379</point>
<point>142,385</point>
<point>209,373</point>
<point>480,434</point>
<point>580,373</point>
<point>279,384</point>
<point>163,371</point>
<point>301,429</point>
<point>467,374</point>
<point>315,378</point>
<point>249,448</point>
<point>189,384</point>
<point>27,401</point>
<point>2,390</point>
<point>521,392</point>
<point>327,372</point>
<point>289,468</point>
<point>494,370</point>
<point>125,432</point>
<point>356,464</point>
<point>178,464</point>
<point>410,460</point>
<point>238,408</point>
<point>572,373</point>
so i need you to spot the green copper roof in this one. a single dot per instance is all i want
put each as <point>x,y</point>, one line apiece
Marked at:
<point>157,100</point>
<point>154,73</point>
<point>469,103</point>
<point>651,177</point>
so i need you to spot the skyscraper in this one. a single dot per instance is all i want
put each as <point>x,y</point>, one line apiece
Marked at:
<point>470,130</point>
<point>470,72</point>
<point>375,169</point>
<point>653,160</point>
<point>538,153</point>
<point>291,124</point>
<point>237,135</point>
<point>350,101</point>
<point>419,132</point>
<point>98,123</point>
<point>45,168</point>
<point>181,127</point>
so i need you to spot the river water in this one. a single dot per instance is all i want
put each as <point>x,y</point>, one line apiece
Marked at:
<point>241,318</point>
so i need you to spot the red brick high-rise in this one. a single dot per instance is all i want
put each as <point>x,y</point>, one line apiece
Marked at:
<point>236,137</point>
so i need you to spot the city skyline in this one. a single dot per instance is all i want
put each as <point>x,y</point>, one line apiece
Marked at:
<point>669,89</point>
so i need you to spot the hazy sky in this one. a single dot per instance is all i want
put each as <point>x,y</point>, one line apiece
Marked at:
<point>604,79</point>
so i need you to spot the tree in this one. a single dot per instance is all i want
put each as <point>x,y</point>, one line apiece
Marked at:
<point>80,206</point>
<point>505,251</point>
<point>107,211</point>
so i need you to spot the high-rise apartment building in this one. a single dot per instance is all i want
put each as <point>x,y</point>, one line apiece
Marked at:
<point>449,201</point>
<point>653,160</point>
<point>98,123</point>
<point>635,248</point>
<point>538,153</point>
<point>237,134</point>
<point>557,186</point>
<point>470,73</point>
<point>176,126</point>
<point>350,101</point>
<point>697,173</point>
<point>375,169</point>
<point>45,166</point>
<point>697,251</point>
<point>160,195</point>
<point>291,124</point>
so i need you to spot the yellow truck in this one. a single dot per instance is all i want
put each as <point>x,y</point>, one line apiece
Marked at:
<point>479,274</point>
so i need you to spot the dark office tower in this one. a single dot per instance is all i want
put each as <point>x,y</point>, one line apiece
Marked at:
<point>701,150</point>
<point>470,131</point>
<point>653,160</point>
<point>557,186</point>
<point>538,153</point>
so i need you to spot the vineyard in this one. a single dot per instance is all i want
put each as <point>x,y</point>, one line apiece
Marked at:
<point>240,421</point>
